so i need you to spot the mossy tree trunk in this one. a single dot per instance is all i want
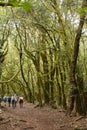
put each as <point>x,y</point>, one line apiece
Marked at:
<point>46,77</point>
<point>52,73</point>
<point>39,80</point>
<point>75,101</point>
<point>23,76</point>
<point>59,88</point>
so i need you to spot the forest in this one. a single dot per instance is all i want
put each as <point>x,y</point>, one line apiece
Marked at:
<point>43,51</point>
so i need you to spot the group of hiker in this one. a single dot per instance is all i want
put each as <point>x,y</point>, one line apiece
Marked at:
<point>12,100</point>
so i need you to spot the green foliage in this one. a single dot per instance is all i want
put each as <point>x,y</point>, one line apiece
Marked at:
<point>26,6</point>
<point>82,10</point>
<point>18,3</point>
<point>14,3</point>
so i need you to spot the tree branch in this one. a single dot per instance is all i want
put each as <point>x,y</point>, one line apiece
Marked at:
<point>5,4</point>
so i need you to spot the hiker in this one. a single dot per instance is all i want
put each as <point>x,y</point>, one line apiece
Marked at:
<point>13,101</point>
<point>5,99</point>
<point>15,97</point>
<point>21,101</point>
<point>9,101</point>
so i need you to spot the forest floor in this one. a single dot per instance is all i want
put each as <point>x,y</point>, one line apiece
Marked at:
<point>34,118</point>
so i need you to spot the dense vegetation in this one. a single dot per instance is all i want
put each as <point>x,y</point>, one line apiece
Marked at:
<point>43,51</point>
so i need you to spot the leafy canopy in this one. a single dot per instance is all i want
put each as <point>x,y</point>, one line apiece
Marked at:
<point>26,5</point>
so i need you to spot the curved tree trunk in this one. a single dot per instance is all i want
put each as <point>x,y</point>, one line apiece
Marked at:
<point>75,101</point>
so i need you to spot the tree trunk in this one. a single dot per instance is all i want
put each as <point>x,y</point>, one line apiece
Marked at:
<point>39,80</point>
<point>74,93</point>
<point>59,88</point>
<point>46,77</point>
<point>22,74</point>
<point>52,73</point>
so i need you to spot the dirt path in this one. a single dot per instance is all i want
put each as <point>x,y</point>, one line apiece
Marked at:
<point>31,118</point>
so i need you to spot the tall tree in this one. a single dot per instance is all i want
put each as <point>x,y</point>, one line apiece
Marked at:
<point>74,92</point>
